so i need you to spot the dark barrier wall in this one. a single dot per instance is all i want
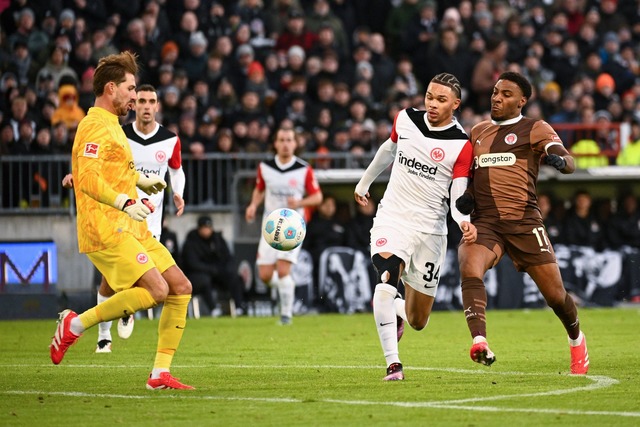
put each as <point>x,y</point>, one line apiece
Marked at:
<point>345,280</point>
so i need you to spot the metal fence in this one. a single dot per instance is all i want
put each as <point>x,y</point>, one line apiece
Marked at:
<point>33,184</point>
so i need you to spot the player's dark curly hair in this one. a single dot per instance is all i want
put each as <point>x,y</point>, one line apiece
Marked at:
<point>449,80</point>
<point>518,79</point>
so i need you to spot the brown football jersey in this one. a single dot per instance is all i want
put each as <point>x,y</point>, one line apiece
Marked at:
<point>506,165</point>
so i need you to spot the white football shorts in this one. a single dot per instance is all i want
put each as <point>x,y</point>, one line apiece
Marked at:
<point>268,255</point>
<point>423,254</point>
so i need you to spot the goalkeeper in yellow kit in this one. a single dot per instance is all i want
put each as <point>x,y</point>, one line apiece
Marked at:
<point>112,229</point>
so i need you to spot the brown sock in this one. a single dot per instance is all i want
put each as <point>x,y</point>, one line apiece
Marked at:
<point>474,301</point>
<point>568,315</point>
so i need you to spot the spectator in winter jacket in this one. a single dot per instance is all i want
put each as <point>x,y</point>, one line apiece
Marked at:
<point>209,264</point>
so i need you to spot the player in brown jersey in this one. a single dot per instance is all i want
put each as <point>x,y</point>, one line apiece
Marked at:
<point>503,204</point>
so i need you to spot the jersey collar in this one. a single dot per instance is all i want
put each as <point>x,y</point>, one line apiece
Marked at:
<point>508,121</point>
<point>148,135</point>
<point>285,165</point>
<point>453,122</point>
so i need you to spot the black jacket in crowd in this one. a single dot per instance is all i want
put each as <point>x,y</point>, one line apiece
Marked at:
<point>211,256</point>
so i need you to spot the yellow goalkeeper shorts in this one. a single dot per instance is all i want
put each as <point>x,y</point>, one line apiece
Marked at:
<point>123,264</point>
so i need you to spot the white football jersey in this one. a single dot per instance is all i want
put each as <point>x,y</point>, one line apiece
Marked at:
<point>281,181</point>
<point>154,153</point>
<point>427,160</point>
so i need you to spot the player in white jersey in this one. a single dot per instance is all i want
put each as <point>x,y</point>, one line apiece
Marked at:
<point>432,158</point>
<point>155,150</point>
<point>284,181</point>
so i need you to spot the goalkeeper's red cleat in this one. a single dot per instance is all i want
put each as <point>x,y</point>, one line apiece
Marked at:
<point>63,338</point>
<point>166,381</point>
<point>580,357</point>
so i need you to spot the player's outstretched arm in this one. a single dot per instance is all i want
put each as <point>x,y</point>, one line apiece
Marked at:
<point>311,200</point>
<point>91,183</point>
<point>559,158</point>
<point>178,181</point>
<point>383,158</point>
<point>361,200</point>
<point>257,197</point>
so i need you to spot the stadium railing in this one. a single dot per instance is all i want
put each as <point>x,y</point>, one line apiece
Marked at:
<point>33,184</point>
<point>607,137</point>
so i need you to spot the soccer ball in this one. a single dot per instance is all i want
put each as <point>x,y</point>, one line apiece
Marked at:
<point>284,229</point>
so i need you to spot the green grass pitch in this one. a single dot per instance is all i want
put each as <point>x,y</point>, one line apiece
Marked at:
<point>327,370</point>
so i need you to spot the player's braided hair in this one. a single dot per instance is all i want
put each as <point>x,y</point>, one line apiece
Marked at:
<point>449,80</point>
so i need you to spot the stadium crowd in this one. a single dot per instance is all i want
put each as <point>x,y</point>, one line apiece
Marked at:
<point>229,72</point>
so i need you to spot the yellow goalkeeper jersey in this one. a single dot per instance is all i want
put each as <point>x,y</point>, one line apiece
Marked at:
<point>103,168</point>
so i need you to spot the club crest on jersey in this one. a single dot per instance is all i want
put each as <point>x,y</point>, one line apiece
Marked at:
<point>511,139</point>
<point>161,156</point>
<point>142,258</point>
<point>437,154</point>
<point>381,242</point>
<point>91,150</point>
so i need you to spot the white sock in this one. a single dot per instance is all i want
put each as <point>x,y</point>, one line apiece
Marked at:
<point>274,279</point>
<point>384,314</point>
<point>401,311</point>
<point>479,338</point>
<point>104,328</point>
<point>577,341</point>
<point>76,326</point>
<point>287,290</point>
<point>155,373</point>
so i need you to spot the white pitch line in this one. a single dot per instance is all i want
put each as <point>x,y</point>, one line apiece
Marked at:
<point>480,371</point>
<point>432,405</point>
<point>597,382</point>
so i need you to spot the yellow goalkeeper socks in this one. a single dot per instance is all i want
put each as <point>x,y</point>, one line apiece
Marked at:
<point>170,329</point>
<point>122,304</point>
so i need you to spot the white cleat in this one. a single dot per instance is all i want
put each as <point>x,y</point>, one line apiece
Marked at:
<point>104,346</point>
<point>125,327</point>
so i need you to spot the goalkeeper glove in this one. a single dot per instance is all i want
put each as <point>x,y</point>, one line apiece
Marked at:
<point>151,183</point>
<point>138,209</point>
<point>465,204</point>
<point>556,161</point>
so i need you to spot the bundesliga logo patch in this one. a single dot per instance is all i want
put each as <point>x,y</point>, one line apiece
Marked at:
<point>91,150</point>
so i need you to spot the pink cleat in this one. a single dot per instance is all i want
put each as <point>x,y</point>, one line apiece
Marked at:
<point>166,381</point>
<point>394,372</point>
<point>580,357</point>
<point>480,352</point>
